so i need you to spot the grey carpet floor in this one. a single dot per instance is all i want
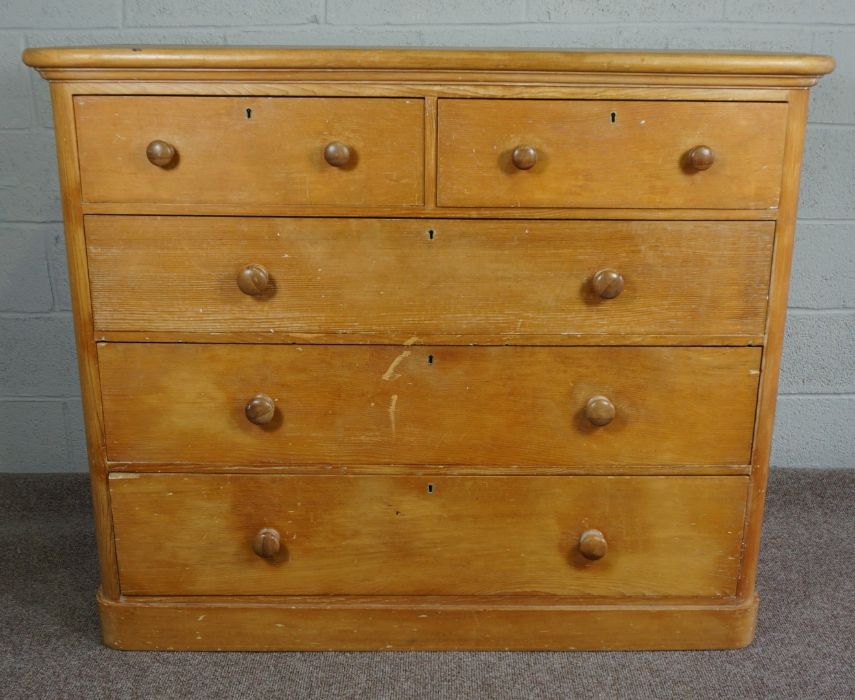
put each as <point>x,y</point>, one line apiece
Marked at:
<point>805,646</point>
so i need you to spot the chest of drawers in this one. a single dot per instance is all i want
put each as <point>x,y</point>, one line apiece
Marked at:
<point>428,349</point>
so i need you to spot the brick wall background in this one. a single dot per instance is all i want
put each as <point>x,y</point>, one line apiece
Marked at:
<point>40,415</point>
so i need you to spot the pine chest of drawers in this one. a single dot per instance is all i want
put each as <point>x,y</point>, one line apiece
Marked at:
<point>428,349</point>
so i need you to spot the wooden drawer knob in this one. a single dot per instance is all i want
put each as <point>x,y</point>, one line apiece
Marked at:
<point>337,154</point>
<point>161,154</point>
<point>253,280</point>
<point>700,158</point>
<point>593,545</point>
<point>600,410</point>
<point>266,543</point>
<point>607,283</point>
<point>524,157</point>
<point>260,409</point>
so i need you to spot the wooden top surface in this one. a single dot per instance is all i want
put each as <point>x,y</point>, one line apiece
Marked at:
<point>263,58</point>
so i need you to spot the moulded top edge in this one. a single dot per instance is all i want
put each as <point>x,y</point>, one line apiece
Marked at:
<point>260,58</point>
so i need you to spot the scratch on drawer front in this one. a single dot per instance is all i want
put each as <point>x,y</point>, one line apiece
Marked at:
<point>393,404</point>
<point>389,375</point>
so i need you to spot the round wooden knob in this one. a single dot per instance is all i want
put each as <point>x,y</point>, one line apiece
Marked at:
<point>700,158</point>
<point>253,280</point>
<point>593,545</point>
<point>524,157</point>
<point>337,154</point>
<point>260,409</point>
<point>607,283</point>
<point>599,410</point>
<point>266,543</point>
<point>161,154</point>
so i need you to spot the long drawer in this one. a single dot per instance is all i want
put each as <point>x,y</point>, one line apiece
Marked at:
<point>274,404</point>
<point>251,150</point>
<point>610,153</point>
<point>583,536</point>
<point>396,278</point>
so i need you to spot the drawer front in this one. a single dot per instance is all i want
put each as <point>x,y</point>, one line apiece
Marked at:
<point>366,535</point>
<point>428,405</point>
<point>251,150</point>
<point>621,154</point>
<point>396,278</point>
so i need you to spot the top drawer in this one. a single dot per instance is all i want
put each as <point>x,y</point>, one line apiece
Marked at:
<point>251,150</point>
<point>597,153</point>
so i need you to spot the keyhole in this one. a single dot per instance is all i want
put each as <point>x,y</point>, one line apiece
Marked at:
<point>431,233</point>
<point>430,488</point>
<point>614,117</point>
<point>249,113</point>
<point>430,359</point>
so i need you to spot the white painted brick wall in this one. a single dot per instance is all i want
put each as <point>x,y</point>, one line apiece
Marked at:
<point>40,415</point>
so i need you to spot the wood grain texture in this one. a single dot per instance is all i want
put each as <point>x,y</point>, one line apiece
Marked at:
<point>428,405</point>
<point>285,337</point>
<point>450,624</point>
<point>251,150</point>
<point>438,469</point>
<point>589,158</point>
<point>212,57</point>
<point>398,278</point>
<point>490,86</point>
<point>461,77</point>
<point>87,357</point>
<point>416,212</point>
<point>778,292</point>
<point>355,431</point>
<point>194,535</point>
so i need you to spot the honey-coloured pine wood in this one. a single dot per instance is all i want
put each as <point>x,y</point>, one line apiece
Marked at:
<point>428,405</point>
<point>383,392</point>
<point>444,623</point>
<point>775,326</point>
<point>602,153</point>
<point>464,64</point>
<point>192,534</point>
<point>253,150</point>
<point>87,356</point>
<point>396,278</point>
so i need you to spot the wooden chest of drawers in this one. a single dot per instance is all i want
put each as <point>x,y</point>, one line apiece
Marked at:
<point>428,349</point>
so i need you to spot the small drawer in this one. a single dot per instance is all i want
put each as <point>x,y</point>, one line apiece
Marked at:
<point>218,534</point>
<point>393,405</point>
<point>620,154</point>
<point>394,278</point>
<point>251,150</point>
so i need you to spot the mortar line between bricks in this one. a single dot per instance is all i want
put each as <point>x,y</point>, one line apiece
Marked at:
<point>12,222</point>
<point>527,22</point>
<point>33,129</point>
<point>803,395</point>
<point>21,315</point>
<point>808,311</point>
<point>717,24</point>
<point>38,399</point>
<point>832,126</point>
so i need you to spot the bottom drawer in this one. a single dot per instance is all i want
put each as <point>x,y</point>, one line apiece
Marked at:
<point>197,534</point>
